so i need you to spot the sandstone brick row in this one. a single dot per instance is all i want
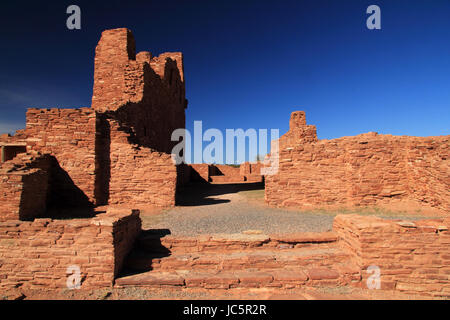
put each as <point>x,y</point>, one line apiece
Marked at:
<point>251,278</point>
<point>258,260</point>
<point>234,242</point>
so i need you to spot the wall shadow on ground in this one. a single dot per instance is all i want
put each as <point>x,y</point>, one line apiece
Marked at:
<point>201,194</point>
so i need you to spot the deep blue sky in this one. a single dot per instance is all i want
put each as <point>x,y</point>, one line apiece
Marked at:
<point>248,64</point>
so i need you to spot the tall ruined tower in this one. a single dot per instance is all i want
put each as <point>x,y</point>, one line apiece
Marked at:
<point>143,92</point>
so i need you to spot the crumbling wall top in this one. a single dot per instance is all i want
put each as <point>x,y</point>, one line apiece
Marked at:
<point>298,119</point>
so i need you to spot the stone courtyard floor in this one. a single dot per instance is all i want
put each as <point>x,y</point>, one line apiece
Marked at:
<point>235,208</point>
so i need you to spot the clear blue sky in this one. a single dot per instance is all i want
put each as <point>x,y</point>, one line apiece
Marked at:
<point>248,64</point>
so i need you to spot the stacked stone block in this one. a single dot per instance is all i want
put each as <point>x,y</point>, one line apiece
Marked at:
<point>412,256</point>
<point>37,254</point>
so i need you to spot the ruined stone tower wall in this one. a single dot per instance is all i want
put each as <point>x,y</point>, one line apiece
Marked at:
<point>364,170</point>
<point>145,93</point>
<point>117,151</point>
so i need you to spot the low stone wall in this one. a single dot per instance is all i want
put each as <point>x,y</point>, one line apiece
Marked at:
<point>221,173</point>
<point>37,254</point>
<point>413,256</point>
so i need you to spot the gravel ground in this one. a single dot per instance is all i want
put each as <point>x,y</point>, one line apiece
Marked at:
<point>233,209</point>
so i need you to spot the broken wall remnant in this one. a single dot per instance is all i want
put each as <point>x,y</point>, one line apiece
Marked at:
<point>139,175</point>
<point>363,170</point>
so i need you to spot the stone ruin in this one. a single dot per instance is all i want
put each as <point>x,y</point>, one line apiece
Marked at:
<point>117,153</point>
<point>220,173</point>
<point>369,169</point>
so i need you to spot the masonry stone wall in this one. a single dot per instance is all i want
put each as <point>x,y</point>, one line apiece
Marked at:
<point>139,175</point>
<point>363,170</point>
<point>36,254</point>
<point>24,187</point>
<point>412,256</point>
<point>118,150</point>
<point>251,171</point>
<point>146,93</point>
<point>200,172</point>
<point>70,136</point>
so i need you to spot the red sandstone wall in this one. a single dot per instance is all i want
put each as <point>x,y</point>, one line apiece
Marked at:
<point>226,170</point>
<point>147,94</point>
<point>248,168</point>
<point>251,171</point>
<point>35,255</point>
<point>24,194</point>
<point>200,172</point>
<point>413,257</point>
<point>69,135</point>
<point>367,169</point>
<point>139,175</point>
<point>144,98</point>
<point>24,187</point>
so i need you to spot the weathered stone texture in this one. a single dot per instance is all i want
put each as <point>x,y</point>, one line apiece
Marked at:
<point>363,170</point>
<point>413,257</point>
<point>24,187</point>
<point>36,255</point>
<point>69,135</point>
<point>251,171</point>
<point>147,94</point>
<point>118,150</point>
<point>139,176</point>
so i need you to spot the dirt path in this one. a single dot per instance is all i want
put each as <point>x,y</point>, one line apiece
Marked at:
<point>234,208</point>
<point>225,209</point>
